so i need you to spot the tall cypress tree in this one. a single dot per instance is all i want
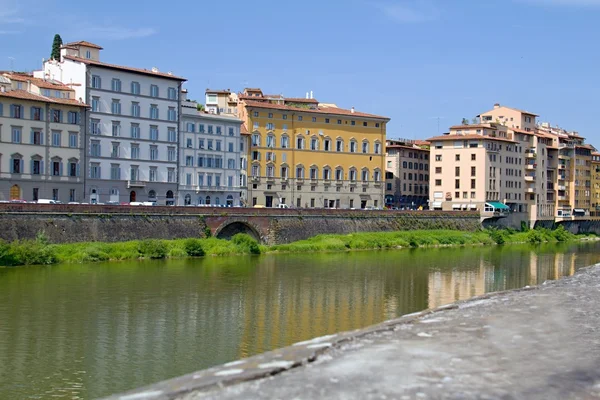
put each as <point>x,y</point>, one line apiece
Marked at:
<point>56,47</point>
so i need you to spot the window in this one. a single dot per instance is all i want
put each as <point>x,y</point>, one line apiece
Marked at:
<point>170,176</point>
<point>73,140</point>
<point>326,120</point>
<point>16,164</point>
<point>353,146</point>
<point>201,143</point>
<point>473,171</point>
<point>256,170</point>
<point>300,143</point>
<point>56,138</point>
<point>56,116</point>
<point>172,94</point>
<point>135,151</point>
<point>154,91</point>
<point>73,168</point>
<point>153,133</point>
<point>365,175</point>
<point>171,114</point>
<point>438,157</point>
<point>339,175</point>
<point>56,168</point>
<point>285,142</point>
<point>16,135</point>
<point>116,107</point>
<point>135,109</point>
<point>95,148</point>
<point>231,131</point>
<point>115,172</point>
<point>270,115</point>
<point>473,184</point>
<point>134,173</point>
<point>314,119</point>
<point>456,171</point>
<point>115,153</point>
<point>231,163</point>
<point>153,111</point>
<point>95,126</point>
<point>377,176</point>
<point>457,157</point>
<point>299,117</point>
<point>153,173</point>
<point>365,147</point>
<point>171,135</point>
<point>255,113</point>
<point>116,85</point>
<point>326,174</point>
<point>153,153</point>
<point>270,126</point>
<point>218,144</point>
<point>36,167</point>
<point>96,104</point>
<point>73,117</point>
<point>188,143</point>
<point>270,141</point>
<point>352,175</point>
<point>135,131</point>
<point>339,145</point>
<point>377,148</point>
<point>300,172</point>
<point>36,113</point>
<point>210,144</point>
<point>314,144</point>
<point>96,82</point>
<point>438,182</point>
<point>210,129</point>
<point>457,184</point>
<point>135,88</point>
<point>171,154</point>
<point>230,147</point>
<point>473,157</point>
<point>365,124</point>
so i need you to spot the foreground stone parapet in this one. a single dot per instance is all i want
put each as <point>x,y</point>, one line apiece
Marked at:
<point>533,343</point>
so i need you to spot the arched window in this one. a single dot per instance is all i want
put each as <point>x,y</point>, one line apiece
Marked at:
<point>326,173</point>
<point>300,172</point>
<point>377,148</point>
<point>169,194</point>
<point>152,195</point>
<point>339,145</point>
<point>352,175</point>
<point>365,146</point>
<point>187,200</point>
<point>314,172</point>
<point>377,175</point>
<point>314,143</point>
<point>200,200</point>
<point>339,174</point>
<point>404,164</point>
<point>284,172</point>
<point>270,141</point>
<point>285,141</point>
<point>207,200</point>
<point>217,201</point>
<point>365,175</point>
<point>300,143</point>
<point>353,146</point>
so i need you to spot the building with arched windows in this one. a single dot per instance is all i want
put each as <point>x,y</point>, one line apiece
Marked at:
<point>309,154</point>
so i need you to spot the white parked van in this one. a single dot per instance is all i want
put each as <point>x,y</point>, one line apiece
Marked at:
<point>46,201</point>
<point>280,205</point>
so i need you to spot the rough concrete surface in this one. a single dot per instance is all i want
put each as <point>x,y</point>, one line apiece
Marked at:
<point>541,343</point>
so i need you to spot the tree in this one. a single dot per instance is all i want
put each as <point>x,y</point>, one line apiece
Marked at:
<point>474,121</point>
<point>200,107</point>
<point>465,121</point>
<point>55,55</point>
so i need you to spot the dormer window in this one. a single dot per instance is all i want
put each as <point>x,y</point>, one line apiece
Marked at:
<point>88,54</point>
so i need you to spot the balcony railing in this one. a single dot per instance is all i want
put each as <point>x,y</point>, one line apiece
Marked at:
<point>138,184</point>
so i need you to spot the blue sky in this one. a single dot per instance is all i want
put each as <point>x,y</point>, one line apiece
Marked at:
<point>412,60</point>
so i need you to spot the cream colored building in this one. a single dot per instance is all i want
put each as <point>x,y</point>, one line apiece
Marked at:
<point>407,173</point>
<point>41,141</point>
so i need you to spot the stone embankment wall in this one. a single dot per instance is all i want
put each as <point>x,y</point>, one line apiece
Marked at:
<point>80,223</point>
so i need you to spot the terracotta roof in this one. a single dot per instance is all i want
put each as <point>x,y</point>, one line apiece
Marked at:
<point>25,95</point>
<point>257,98</point>
<point>422,142</point>
<point>41,83</point>
<point>122,68</point>
<point>404,146</point>
<point>522,131</point>
<point>469,137</point>
<point>244,129</point>
<point>301,100</point>
<point>218,91</point>
<point>83,43</point>
<point>511,108</point>
<point>319,110</point>
<point>477,126</point>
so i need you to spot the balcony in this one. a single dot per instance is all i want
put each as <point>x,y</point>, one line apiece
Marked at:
<point>529,190</point>
<point>529,178</point>
<point>530,153</point>
<point>563,198</point>
<point>561,166</point>
<point>531,166</point>
<point>562,187</point>
<point>136,184</point>
<point>563,157</point>
<point>255,179</point>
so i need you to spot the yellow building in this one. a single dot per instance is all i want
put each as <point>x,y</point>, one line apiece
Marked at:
<point>595,209</point>
<point>308,154</point>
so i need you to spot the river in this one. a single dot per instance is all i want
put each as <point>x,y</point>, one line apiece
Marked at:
<point>84,331</point>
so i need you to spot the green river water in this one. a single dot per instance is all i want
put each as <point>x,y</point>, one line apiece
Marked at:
<point>85,331</point>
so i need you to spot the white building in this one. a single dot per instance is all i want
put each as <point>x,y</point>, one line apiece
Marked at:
<point>131,128</point>
<point>41,143</point>
<point>210,157</point>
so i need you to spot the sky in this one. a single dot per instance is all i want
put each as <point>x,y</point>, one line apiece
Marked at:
<point>426,64</point>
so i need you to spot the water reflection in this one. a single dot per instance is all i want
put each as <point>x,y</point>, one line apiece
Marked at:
<point>77,331</point>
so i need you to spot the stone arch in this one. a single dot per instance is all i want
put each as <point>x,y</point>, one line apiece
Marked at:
<point>229,229</point>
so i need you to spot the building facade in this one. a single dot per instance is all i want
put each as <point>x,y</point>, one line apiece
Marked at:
<point>210,162</point>
<point>595,200</point>
<point>41,141</point>
<point>132,127</point>
<point>308,154</point>
<point>407,173</point>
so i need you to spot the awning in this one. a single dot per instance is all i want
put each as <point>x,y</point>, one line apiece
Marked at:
<point>436,204</point>
<point>464,206</point>
<point>473,206</point>
<point>455,206</point>
<point>497,205</point>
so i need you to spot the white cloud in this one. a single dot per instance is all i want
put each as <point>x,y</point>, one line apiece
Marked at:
<point>409,12</point>
<point>563,3</point>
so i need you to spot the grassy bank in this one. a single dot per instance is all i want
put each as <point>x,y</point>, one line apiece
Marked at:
<point>41,252</point>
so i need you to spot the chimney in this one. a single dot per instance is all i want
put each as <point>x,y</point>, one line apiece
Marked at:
<point>352,110</point>
<point>311,94</point>
<point>307,95</point>
<point>497,105</point>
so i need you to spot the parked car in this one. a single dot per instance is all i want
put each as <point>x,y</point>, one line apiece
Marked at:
<point>46,201</point>
<point>281,205</point>
<point>18,201</point>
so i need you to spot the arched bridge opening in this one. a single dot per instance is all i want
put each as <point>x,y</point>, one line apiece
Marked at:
<point>233,228</point>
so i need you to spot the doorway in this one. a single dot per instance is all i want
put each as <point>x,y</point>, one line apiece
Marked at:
<point>132,196</point>
<point>269,201</point>
<point>15,192</point>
